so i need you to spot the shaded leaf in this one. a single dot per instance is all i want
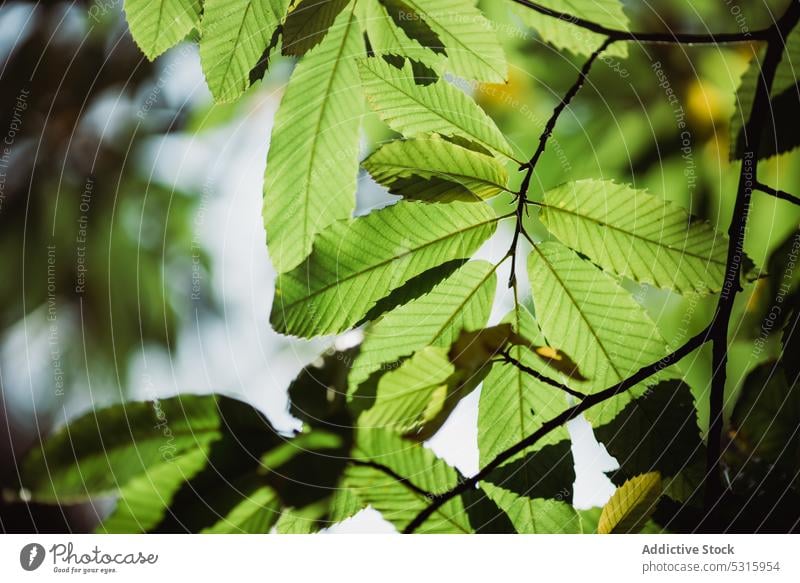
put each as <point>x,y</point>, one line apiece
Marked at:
<point>514,404</point>
<point>356,263</point>
<point>657,432</point>
<point>562,34</point>
<point>400,502</point>
<point>535,489</point>
<point>776,137</point>
<point>308,22</point>
<point>473,51</point>
<point>104,450</point>
<point>390,41</point>
<point>234,36</point>
<point>413,24</point>
<point>764,419</point>
<point>462,301</point>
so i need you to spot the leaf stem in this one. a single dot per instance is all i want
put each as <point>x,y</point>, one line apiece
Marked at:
<point>539,376</point>
<point>783,195</point>
<point>530,165</point>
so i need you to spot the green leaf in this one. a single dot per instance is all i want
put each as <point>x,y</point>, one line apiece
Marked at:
<point>234,36</point>
<point>354,264</point>
<point>387,39</point>
<point>440,107</point>
<point>258,510</point>
<point>585,312</point>
<point>105,450</point>
<point>635,234</point>
<point>564,35</point>
<point>144,499</point>
<point>157,26</point>
<point>308,23</point>
<point>534,491</point>
<point>412,395</point>
<point>513,404</point>
<point>473,51</point>
<point>397,501</point>
<point>462,301</point>
<point>434,169</point>
<point>312,166</point>
<point>631,505</point>
<point>413,24</point>
<point>776,137</point>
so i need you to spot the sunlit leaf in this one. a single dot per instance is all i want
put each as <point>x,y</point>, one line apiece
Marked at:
<point>631,505</point>
<point>440,107</point>
<point>310,180</point>
<point>434,169</point>
<point>354,264</point>
<point>635,234</point>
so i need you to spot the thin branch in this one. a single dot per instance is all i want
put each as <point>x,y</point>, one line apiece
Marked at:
<point>759,114</point>
<point>537,375</point>
<point>392,474</point>
<point>530,165</point>
<point>565,101</point>
<point>650,37</point>
<point>590,401</point>
<point>783,195</point>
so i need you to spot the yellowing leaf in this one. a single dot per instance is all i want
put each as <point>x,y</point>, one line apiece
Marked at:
<point>559,361</point>
<point>631,505</point>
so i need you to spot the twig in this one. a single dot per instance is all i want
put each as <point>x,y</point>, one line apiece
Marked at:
<point>537,375</point>
<point>530,165</point>
<point>783,195</point>
<point>392,474</point>
<point>650,37</point>
<point>548,426</point>
<point>712,488</point>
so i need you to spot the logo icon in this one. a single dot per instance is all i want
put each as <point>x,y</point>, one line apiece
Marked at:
<point>31,556</point>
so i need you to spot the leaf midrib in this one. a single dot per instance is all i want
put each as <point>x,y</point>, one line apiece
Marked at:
<point>583,316</point>
<point>447,87</point>
<point>380,264</point>
<point>453,36</point>
<point>600,223</point>
<point>317,134</point>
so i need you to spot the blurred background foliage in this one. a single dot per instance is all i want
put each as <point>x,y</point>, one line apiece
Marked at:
<point>100,124</point>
